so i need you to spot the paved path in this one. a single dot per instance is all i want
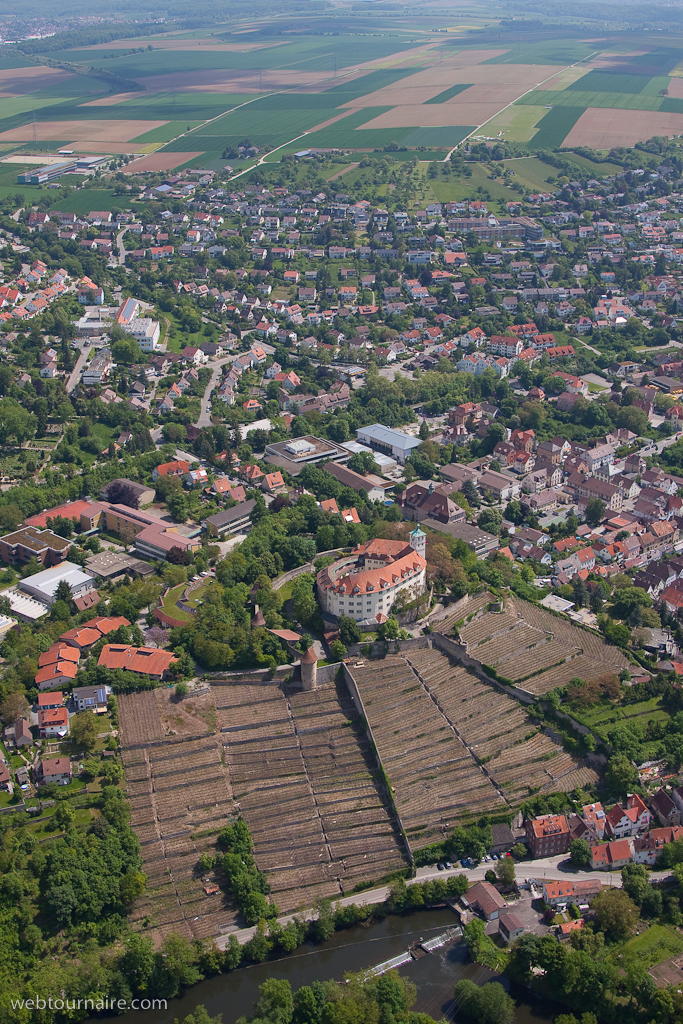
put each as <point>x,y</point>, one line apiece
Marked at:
<point>538,869</point>
<point>75,374</point>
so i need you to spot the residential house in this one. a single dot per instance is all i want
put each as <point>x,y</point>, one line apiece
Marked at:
<point>664,807</point>
<point>485,899</point>
<point>627,821</point>
<point>547,835</point>
<point>55,769</point>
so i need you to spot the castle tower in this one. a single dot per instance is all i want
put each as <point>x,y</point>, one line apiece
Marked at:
<point>258,621</point>
<point>309,669</point>
<point>418,542</point>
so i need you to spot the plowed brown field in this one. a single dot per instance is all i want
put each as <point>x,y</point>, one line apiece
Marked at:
<point>603,128</point>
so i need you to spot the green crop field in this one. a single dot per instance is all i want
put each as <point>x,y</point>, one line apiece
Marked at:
<point>166,132</point>
<point>308,53</point>
<point>89,199</point>
<point>448,94</point>
<point>555,126</point>
<point>565,51</point>
<point>605,81</point>
<point>576,98</point>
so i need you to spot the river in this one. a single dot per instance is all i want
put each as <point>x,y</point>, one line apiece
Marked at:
<point>351,949</point>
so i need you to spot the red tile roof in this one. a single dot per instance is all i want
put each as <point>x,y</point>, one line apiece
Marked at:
<point>47,700</point>
<point>145,660</point>
<point>55,766</point>
<point>52,717</point>
<point>56,671</point>
<point>59,652</point>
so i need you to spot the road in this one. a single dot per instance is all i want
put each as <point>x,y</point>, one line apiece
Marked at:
<point>205,416</point>
<point>537,869</point>
<point>121,247</point>
<point>75,375</point>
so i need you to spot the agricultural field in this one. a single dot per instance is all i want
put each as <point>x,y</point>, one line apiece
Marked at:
<point>307,784</point>
<point>353,84</point>
<point>436,779</point>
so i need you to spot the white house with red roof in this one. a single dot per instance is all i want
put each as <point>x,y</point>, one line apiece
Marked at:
<point>621,822</point>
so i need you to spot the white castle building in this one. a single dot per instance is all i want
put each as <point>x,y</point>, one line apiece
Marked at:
<point>365,584</point>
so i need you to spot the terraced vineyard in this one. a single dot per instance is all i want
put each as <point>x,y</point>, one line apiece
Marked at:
<point>305,781</point>
<point>179,794</point>
<point>533,648</point>
<point>518,757</point>
<point>435,777</point>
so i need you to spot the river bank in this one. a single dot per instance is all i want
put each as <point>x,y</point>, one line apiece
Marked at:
<point>349,950</point>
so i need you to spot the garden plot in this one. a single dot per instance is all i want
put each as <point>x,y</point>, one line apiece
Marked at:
<point>435,779</point>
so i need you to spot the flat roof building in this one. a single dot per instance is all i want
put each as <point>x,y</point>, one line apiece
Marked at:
<point>294,454</point>
<point>391,442</point>
<point>26,543</point>
<point>230,521</point>
<point>42,586</point>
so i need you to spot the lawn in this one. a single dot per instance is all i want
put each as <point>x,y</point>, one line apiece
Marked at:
<point>518,122</point>
<point>656,944</point>
<point>169,604</point>
<point>450,189</point>
<point>598,169</point>
<point>532,172</point>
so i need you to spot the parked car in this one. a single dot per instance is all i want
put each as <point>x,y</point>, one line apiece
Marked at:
<point>439,866</point>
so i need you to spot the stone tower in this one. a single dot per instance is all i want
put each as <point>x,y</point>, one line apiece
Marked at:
<point>418,542</point>
<point>309,669</point>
